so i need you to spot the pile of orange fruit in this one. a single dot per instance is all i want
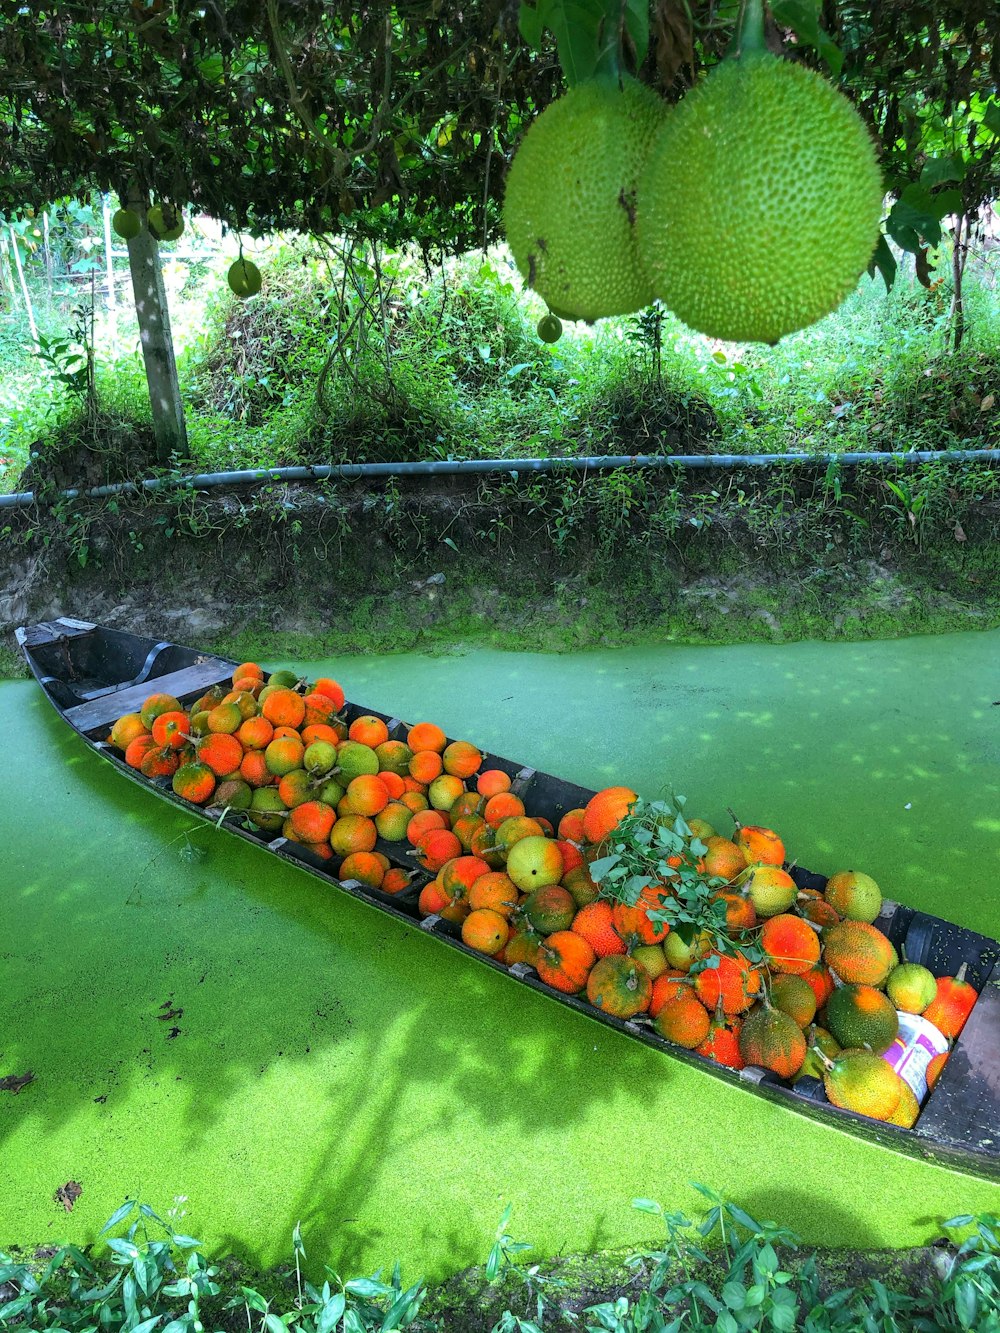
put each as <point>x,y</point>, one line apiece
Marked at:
<point>521,890</point>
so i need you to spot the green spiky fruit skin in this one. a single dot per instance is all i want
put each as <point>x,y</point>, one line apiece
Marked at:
<point>772,1039</point>
<point>569,202</point>
<point>862,1016</point>
<point>760,204</point>
<point>863,1082</point>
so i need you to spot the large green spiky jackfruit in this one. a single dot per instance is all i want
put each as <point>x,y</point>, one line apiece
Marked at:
<point>760,203</point>
<point>569,202</point>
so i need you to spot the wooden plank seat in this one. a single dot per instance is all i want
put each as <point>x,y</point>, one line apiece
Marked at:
<point>96,714</point>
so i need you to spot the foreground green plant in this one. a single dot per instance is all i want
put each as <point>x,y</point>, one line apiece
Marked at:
<point>728,1273</point>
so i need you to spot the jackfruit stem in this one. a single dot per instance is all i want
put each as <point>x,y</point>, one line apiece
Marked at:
<point>750,39</point>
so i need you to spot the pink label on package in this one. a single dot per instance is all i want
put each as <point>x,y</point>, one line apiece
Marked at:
<point>913,1050</point>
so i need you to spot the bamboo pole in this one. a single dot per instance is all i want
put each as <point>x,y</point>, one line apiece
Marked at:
<point>24,287</point>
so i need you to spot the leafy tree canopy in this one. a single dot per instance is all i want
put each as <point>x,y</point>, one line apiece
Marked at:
<point>396,120</point>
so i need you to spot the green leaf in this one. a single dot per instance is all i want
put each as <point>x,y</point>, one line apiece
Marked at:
<point>117,1216</point>
<point>991,116</point>
<point>883,261</point>
<point>735,1295</point>
<point>938,170</point>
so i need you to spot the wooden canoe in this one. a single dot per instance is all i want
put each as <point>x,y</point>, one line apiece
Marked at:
<point>92,675</point>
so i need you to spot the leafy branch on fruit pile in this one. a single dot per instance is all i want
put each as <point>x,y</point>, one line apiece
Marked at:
<point>654,845</point>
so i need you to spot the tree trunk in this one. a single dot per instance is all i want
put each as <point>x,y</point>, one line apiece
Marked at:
<point>959,254</point>
<point>157,344</point>
<point>24,287</point>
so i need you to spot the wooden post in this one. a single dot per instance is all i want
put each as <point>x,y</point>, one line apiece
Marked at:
<point>157,345</point>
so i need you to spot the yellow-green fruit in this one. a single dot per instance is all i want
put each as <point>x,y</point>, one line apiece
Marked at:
<point>759,206</point>
<point>165,222</point>
<point>569,203</point>
<point>244,278</point>
<point>908,1109</point>
<point>854,895</point>
<point>863,1082</point>
<point>911,987</point>
<point>126,224</point>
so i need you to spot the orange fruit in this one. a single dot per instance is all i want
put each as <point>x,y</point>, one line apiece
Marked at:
<point>365,867</point>
<point>790,944</point>
<point>604,811</point>
<point>571,825</point>
<point>436,847</point>
<point>195,782</point>
<point>762,846</point>
<point>485,930</point>
<point>415,801</point>
<point>505,805</point>
<point>459,874</point>
<point>244,701</point>
<point>137,749</point>
<point>296,787</point>
<point>492,781</point>
<point>222,753</point>
<point>255,733</point>
<point>160,762</point>
<point>952,1004</point>
<point>461,759</point>
<point>368,730</point>
<point>353,833</point>
<point>394,756</point>
<point>564,961</point>
<point>319,708</point>
<point>665,987</point>
<point>465,828</point>
<point>433,899</point>
<point>425,765</point>
<point>284,708</point>
<point>312,821</point>
<point>595,922</point>
<point>366,795</point>
<point>724,858</point>
<point>821,981</point>
<point>735,981</point>
<point>250,669</point>
<point>683,1019</point>
<point>633,923</point>
<point>127,729</point>
<point>331,689</point>
<point>494,890</point>
<point>422,822</point>
<point>740,911</point>
<point>282,755</point>
<point>426,736</point>
<point>620,986</point>
<point>396,880</point>
<point>254,769</point>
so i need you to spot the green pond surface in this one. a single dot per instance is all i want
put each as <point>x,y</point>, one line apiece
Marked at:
<point>232,1033</point>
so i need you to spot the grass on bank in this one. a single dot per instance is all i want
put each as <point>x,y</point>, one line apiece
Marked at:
<point>726,1274</point>
<point>351,357</point>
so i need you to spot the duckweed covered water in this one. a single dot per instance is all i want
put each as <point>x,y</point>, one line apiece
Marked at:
<point>222,1027</point>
